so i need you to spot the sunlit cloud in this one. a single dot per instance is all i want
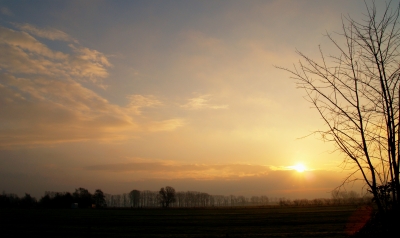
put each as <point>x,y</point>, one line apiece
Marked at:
<point>166,125</point>
<point>48,33</point>
<point>44,100</point>
<point>173,170</point>
<point>137,102</point>
<point>27,55</point>
<point>242,179</point>
<point>89,64</point>
<point>202,102</point>
<point>21,42</point>
<point>46,111</point>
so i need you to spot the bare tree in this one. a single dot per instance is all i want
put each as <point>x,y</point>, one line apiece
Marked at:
<point>356,92</point>
<point>167,196</point>
<point>134,197</point>
<point>99,198</point>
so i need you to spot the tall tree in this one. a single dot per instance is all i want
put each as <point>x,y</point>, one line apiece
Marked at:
<point>99,198</point>
<point>357,92</point>
<point>83,197</point>
<point>134,197</point>
<point>167,196</point>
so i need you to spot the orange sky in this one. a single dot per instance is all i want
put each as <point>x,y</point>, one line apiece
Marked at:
<point>144,94</point>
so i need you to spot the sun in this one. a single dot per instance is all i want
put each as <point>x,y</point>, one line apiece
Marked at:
<point>299,167</point>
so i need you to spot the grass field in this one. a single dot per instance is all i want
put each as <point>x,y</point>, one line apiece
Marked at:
<point>219,222</point>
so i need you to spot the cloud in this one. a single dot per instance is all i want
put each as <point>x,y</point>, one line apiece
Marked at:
<point>238,179</point>
<point>89,64</point>
<point>137,102</point>
<point>166,125</point>
<point>202,102</point>
<point>45,111</point>
<point>26,55</point>
<point>18,40</point>
<point>179,170</point>
<point>48,33</point>
<point>44,101</point>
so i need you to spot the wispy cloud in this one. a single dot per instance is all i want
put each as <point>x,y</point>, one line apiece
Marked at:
<point>44,101</point>
<point>48,33</point>
<point>179,170</point>
<point>241,179</point>
<point>18,40</point>
<point>137,102</point>
<point>45,111</point>
<point>166,125</point>
<point>202,102</point>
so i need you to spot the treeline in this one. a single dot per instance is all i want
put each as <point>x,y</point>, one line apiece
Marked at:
<point>167,197</point>
<point>148,198</point>
<point>338,198</point>
<point>12,200</point>
<point>81,198</point>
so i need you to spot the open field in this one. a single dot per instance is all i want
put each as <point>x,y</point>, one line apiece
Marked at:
<point>219,222</point>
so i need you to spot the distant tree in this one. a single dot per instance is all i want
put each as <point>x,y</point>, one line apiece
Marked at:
<point>180,198</point>
<point>134,197</point>
<point>9,200</point>
<point>45,201</point>
<point>63,200</point>
<point>126,202</point>
<point>56,200</point>
<point>83,197</point>
<point>167,196</point>
<point>99,198</point>
<point>28,201</point>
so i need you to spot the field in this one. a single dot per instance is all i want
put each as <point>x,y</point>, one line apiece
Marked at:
<point>217,222</point>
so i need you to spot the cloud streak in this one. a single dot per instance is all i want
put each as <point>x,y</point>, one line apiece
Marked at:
<point>239,179</point>
<point>26,55</point>
<point>202,102</point>
<point>138,102</point>
<point>173,170</point>
<point>49,33</point>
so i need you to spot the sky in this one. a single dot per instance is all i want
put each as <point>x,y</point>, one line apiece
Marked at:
<point>123,95</point>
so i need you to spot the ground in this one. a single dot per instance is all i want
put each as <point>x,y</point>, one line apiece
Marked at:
<point>274,221</point>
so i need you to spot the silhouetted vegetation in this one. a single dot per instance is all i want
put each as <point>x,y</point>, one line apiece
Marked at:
<point>12,200</point>
<point>56,200</point>
<point>356,93</point>
<point>202,212</point>
<point>81,196</point>
<point>99,198</point>
<point>168,197</point>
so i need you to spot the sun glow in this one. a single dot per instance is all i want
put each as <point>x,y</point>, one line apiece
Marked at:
<point>299,167</point>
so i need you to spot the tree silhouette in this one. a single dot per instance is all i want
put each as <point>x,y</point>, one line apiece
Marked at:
<point>134,197</point>
<point>167,196</point>
<point>99,198</point>
<point>83,198</point>
<point>28,201</point>
<point>357,94</point>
